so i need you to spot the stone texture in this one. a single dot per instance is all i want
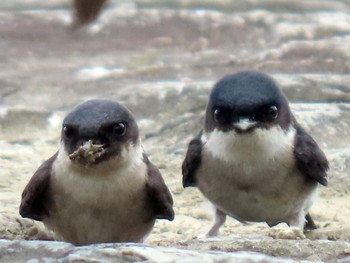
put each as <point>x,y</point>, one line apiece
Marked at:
<point>161,58</point>
<point>38,251</point>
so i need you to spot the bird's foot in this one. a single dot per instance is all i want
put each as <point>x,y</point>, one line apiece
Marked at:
<point>219,220</point>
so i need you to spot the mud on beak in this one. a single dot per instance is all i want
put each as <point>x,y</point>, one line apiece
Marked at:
<point>88,152</point>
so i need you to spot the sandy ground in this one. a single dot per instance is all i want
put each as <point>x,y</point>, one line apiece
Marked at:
<point>157,63</point>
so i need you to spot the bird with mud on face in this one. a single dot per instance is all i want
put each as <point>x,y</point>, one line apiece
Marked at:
<point>100,186</point>
<point>253,160</point>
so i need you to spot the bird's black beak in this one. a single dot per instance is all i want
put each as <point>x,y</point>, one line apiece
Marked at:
<point>244,124</point>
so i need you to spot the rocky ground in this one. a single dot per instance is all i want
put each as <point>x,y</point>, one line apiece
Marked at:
<point>161,60</point>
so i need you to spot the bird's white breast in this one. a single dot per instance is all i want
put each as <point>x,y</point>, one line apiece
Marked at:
<point>105,203</point>
<point>252,176</point>
<point>105,184</point>
<point>256,148</point>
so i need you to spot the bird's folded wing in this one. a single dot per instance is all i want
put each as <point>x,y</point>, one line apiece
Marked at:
<point>192,162</point>
<point>160,198</point>
<point>310,160</point>
<point>34,196</point>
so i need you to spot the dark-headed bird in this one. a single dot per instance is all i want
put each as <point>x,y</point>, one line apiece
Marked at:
<point>86,11</point>
<point>253,161</point>
<point>100,186</point>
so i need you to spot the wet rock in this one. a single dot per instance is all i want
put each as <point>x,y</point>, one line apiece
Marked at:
<point>20,125</point>
<point>300,249</point>
<point>315,87</point>
<point>233,6</point>
<point>161,59</point>
<point>35,251</point>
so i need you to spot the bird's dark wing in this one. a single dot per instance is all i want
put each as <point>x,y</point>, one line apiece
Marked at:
<point>159,195</point>
<point>34,196</point>
<point>86,11</point>
<point>309,224</point>
<point>192,162</point>
<point>310,159</point>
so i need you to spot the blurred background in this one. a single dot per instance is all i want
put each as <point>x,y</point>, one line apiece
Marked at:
<point>161,58</point>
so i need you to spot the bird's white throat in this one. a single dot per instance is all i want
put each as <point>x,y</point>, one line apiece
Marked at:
<point>107,181</point>
<point>233,147</point>
<point>131,156</point>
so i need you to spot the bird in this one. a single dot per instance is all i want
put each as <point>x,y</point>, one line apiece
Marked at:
<point>86,11</point>
<point>100,186</point>
<point>252,160</point>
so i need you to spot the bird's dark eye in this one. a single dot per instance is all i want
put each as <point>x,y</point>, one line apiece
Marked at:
<point>217,114</point>
<point>119,129</point>
<point>68,132</point>
<point>272,112</point>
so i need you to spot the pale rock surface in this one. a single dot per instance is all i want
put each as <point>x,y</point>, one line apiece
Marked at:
<point>142,54</point>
